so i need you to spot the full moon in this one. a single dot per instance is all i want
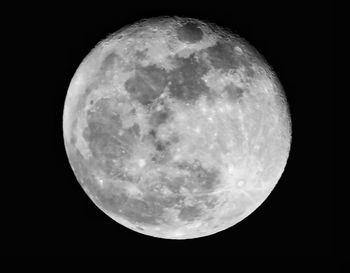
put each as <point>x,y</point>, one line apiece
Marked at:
<point>176,128</point>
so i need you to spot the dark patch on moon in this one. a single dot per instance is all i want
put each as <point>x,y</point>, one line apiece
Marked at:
<point>108,141</point>
<point>140,55</point>
<point>189,213</point>
<point>108,63</point>
<point>200,178</point>
<point>234,93</point>
<point>159,117</point>
<point>175,183</point>
<point>149,210</point>
<point>209,200</point>
<point>161,146</point>
<point>113,199</point>
<point>223,56</point>
<point>108,198</point>
<point>185,82</point>
<point>189,32</point>
<point>206,178</point>
<point>161,153</point>
<point>147,84</point>
<point>140,211</point>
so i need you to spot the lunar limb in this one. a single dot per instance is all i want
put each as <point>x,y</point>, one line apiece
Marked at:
<point>176,128</point>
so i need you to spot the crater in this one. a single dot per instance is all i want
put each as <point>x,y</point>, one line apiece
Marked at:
<point>189,32</point>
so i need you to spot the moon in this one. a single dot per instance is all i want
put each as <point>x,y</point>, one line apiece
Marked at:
<point>176,128</point>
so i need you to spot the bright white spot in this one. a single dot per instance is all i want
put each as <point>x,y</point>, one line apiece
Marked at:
<point>240,183</point>
<point>133,190</point>
<point>159,107</point>
<point>142,163</point>
<point>229,107</point>
<point>204,109</point>
<point>231,169</point>
<point>182,116</point>
<point>100,181</point>
<point>238,50</point>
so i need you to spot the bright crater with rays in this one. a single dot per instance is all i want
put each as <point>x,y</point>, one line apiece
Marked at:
<point>176,128</point>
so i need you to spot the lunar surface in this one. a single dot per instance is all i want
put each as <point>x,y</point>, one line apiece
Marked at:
<point>176,128</point>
